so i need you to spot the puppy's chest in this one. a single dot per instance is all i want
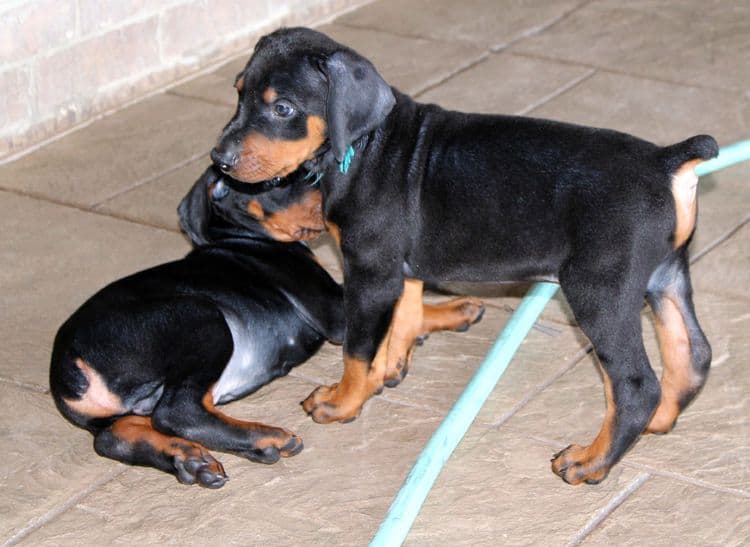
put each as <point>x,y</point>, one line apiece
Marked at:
<point>247,368</point>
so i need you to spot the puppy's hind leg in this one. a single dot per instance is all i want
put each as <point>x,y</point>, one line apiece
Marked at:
<point>608,311</point>
<point>685,351</point>
<point>133,440</point>
<point>187,410</point>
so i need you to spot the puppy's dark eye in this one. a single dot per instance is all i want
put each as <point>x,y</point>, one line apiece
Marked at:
<point>283,109</point>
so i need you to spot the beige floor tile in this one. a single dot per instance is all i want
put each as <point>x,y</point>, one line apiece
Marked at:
<point>485,22</point>
<point>156,203</point>
<point>335,491</point>
<point>660,112</point>
<point>54,257</point>
<point>504,84</point>
<point>46,461</point>
<point>723,203</point>
<point>683,41</point>
<point>112,154</point>
<point>498,489</point>
<point>429,61</point>
<point>726,270</point>
<point>665,512</point>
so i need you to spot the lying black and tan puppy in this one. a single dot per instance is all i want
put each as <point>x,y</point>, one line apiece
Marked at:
<point>144,362</point>
<point>419,194</point>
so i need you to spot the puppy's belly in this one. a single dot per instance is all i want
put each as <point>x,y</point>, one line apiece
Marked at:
<point>248,367</point>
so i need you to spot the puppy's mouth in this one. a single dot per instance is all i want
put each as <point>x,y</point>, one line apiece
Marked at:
<point>261,158</point>
<point>288,233</point>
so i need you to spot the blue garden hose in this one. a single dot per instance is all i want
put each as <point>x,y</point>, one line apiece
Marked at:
<point>405,507</point>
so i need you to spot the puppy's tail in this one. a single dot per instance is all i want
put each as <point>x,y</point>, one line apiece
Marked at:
<point>695,149</point>
<point>680,160</point>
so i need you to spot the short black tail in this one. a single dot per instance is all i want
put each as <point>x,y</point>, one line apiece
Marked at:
<point>700,147</point>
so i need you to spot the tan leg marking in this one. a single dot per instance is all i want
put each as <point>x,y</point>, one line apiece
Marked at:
<point>455,314</point>
<point>98,401</point>
<point>684,190</point>
<point>413,319</point>
<point>406,326</point>
<point>342,402</point>
<point>263,435</point>
<point>678,378</point>
<point>193,462</point>
<point>133,429</point>
<point>577,464</point>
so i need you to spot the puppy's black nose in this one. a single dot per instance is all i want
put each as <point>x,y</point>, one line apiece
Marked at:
<point>223,159</point>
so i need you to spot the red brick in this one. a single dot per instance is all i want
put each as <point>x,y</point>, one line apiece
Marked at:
<point>72,77</point>
<point>98,15</point>
<point>15,107</point>
<point>194,30</point>
<point>34,27</point>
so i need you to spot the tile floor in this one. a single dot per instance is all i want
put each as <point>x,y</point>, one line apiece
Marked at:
<point>100,203</point>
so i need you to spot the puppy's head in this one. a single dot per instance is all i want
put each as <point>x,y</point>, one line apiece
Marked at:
<point>300,94</point>
<point>217,207</point>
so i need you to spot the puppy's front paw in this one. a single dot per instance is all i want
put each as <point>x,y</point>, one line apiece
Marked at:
<point>328,404</point>
<point>576,464</point>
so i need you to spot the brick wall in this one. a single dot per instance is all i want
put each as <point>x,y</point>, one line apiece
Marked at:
<point>64,62</point>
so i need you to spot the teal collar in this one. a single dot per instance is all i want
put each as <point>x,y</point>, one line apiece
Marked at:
<point>347,161</point>
<point>344,165</point>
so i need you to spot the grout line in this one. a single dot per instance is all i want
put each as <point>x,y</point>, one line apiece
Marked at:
<point>600,515</point>
<point>309,379</point>
<point>687,479</point>
<point>655,471</point>
<point>405,35</point>
<point>560,91</point>
<point>460,70</point>
<point>577,358</point>
<point>36,523</point>
<point>400,402</point>
<point>36,388</point>
<point>84,209</point>
<point>720,240</point>
<point>637,75</point>
<point>150,178</point>
<point>542,27</point>
<point>199,98</point>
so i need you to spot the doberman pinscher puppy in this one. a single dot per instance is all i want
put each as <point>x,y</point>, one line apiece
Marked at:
<point>419,194</point>
<point>145,361</point>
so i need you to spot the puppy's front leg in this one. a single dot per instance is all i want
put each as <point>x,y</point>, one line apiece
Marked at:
<point>369,300</point>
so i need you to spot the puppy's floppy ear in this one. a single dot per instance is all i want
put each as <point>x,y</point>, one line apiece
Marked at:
<point>195,209</point>
<point>358,99</point>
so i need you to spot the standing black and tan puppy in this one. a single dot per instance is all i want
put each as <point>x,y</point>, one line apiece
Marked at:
<point>416,193</point>
<point>144,363</point>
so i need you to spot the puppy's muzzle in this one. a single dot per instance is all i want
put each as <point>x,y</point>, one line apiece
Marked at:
<point>225,160</point>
